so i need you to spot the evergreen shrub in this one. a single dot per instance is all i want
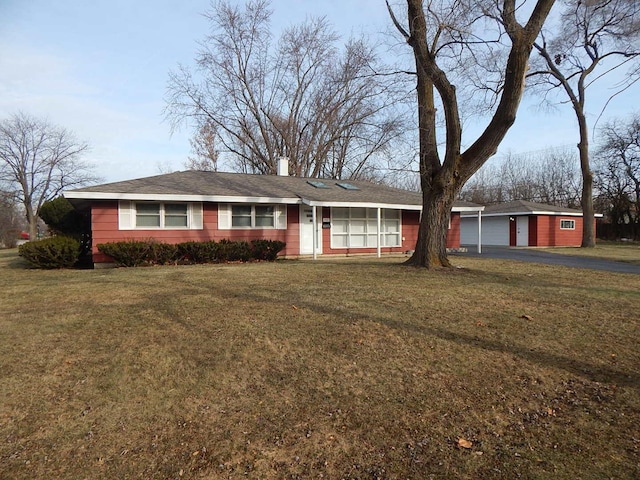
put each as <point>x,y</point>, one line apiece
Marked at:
<point>234,251</point>
<point>133,253</point>
<point>266,249</point>
<point>54,252</point>
<point>198,252</point>
<point>129,253</point>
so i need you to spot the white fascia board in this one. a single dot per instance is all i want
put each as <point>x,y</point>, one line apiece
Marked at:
<point>564,214</point>
<point>547,213</point>
<point>391,206</point>
<point>501,214</point>
<point>477,209</point>
<point>177,198</point>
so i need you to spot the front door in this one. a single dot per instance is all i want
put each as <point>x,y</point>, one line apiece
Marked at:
<point>307,230</point>
<point>522,231</point>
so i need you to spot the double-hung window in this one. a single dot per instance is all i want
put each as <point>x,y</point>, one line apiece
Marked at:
<point>161,215</point>
<point>176,215</point>
<point>248,216</point>
<point>134,215</point>
<point>264,216</point>
<point>148,215</point>
<point>253,216</point>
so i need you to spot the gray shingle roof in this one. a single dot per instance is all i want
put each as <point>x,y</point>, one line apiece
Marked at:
<point>219,184</point>
<point>522,206</point>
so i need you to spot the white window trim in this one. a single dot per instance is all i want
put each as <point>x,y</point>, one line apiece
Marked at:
<point>225,217</point>
<point>572,222</point>
<point>380,236</point>
<point>253,225</point>
<point>127,216</point>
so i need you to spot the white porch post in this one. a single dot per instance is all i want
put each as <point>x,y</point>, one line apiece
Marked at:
<point>315,232</point>
<point>379,236</point>
<point>479,231</point>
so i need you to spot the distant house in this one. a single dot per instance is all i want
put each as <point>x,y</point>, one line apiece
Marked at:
<point>313,216</point>
<point>524,224</point>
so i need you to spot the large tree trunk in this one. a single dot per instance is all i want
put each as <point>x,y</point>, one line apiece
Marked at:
<point>431,247</point>
<point>442,180</point>
<point>588,224</point>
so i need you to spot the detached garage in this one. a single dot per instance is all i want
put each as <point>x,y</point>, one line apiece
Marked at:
<point>524,224</point>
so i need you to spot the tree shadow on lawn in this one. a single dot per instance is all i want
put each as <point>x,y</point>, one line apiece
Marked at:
<point>12,260</point>
<point>596,373</point>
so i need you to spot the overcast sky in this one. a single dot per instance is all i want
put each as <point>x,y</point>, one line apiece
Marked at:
<point>99,68</point>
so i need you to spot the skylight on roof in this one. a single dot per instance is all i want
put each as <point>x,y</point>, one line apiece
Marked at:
<point>347,186</point>
<point>317,184</point>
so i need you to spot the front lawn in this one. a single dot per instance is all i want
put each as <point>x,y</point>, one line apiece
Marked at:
<point>628,252</point>
<point>346,368</point>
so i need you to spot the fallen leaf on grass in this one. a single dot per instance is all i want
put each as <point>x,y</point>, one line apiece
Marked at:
<point>464,443</point>
<point>294,307</point>
<point>527,317</point>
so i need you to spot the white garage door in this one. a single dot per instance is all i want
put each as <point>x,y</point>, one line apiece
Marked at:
<point>495,231</point>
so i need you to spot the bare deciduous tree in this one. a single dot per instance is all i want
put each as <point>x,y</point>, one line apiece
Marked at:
<point>38,160</point>
<point>551,176</point>
<point>9,221</point>
<point>594,38</point>
<point>617,168</point>
<point>203,146</point>
<point>303,97</point>
<point>445,36</point>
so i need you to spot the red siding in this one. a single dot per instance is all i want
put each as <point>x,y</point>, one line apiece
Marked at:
<point>410,227</point>
<point>453,234</point>
<point>549,233</point>
<point>544,231</point>
<point>410,222</point>
<point>290,236</point>
<point>104,228</point>
<point>104,221</point>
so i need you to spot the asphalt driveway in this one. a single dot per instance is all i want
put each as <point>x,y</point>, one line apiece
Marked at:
<point>541,256</point>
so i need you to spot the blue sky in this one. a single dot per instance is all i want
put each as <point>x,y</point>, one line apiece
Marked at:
<point>99,68</point>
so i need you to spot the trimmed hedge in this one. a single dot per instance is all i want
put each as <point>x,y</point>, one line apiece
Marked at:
<point>162,253</point>
<point>198,252</point>
<point>233,251</point>
<point>266,249</point>
<point>135,253</point>
<point>132,253</point>
<point>55,252</point>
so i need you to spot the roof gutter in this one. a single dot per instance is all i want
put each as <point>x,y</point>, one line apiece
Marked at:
<point>394,206</point>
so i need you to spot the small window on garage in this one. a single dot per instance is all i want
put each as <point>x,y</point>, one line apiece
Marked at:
<point>567,224</point>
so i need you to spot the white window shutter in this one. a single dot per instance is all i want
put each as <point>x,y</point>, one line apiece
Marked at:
<point>126,215</point>
<point>224,216</point>
<point>196,216</point>
<point>281,217</point>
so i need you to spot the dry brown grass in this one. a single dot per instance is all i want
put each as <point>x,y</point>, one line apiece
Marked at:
<point>628,252</point>
<point>352,368</point>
